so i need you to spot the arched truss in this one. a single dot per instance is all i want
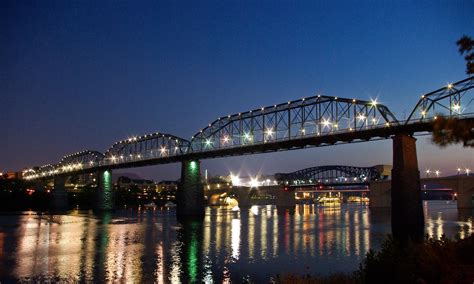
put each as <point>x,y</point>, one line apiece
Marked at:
<point>47,169</point>
<point>80,160</point>
<point>43,171</point>
<point>330,174</point>
<point>453,100</point>
<point>29,174</point>
<point>308,117</point>
<point>151,146</point>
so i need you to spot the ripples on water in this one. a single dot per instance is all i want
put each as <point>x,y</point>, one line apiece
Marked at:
<point>152,246</point>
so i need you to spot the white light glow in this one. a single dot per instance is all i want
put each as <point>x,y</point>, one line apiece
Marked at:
<point>326,122</point>
<point>235,180</point>
<point>254,182</point>
<point>456,107</point>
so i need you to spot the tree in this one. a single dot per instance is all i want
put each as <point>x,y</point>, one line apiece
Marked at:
<point>466,48</point>
<point>451,130</point>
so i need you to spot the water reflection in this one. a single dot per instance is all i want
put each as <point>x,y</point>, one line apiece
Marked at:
<point>152,246</point>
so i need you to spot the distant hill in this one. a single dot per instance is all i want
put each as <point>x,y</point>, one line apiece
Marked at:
<point>115,176</point>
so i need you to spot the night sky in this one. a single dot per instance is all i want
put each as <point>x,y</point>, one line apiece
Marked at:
<point>78,75</point>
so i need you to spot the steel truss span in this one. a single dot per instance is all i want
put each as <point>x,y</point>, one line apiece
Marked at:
<point>329,174</point>
<point>80,160</point>
<point>308,122</point>
<point>309,117</point>
<point>147,147</point>
<point>453,100</point>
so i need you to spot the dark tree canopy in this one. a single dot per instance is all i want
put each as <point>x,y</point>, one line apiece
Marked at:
<point>466,48</point>
<point>448,131</point>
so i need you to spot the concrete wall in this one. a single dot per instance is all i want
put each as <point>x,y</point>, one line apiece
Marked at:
<point>380,191</point>
<point>380,194</point>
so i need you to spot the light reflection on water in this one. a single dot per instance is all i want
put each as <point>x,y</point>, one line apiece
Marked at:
<point>152,246</point>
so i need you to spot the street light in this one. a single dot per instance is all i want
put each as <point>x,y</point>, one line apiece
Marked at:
<point>437,173</point>
<point>428,173</point>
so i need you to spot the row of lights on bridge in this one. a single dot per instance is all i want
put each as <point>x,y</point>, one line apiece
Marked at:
<point>437,173</point>
<point>338,179</point>
<point>269,132</point>
<point>372,103</point>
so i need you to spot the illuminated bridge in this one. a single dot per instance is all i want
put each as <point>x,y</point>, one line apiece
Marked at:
<point>333,175</point>
<point>308,122</point>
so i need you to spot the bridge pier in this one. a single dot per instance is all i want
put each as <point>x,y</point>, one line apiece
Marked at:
<point>105,194</point>
<point>243,196</point>
<point>465,192</point>
<point>407,209</point>
<point>379,194</point>
<point>190,195</point>
<point>60,199</point>
<point>285,198</point>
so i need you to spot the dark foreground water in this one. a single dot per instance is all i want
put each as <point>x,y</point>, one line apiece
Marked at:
<point>145,246</point>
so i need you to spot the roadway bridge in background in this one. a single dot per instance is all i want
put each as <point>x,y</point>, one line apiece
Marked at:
<point>379,191</point>
<point>334,175</point>
<point>308,122</point>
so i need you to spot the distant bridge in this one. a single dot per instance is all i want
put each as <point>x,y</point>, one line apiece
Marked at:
<point>333,174</point>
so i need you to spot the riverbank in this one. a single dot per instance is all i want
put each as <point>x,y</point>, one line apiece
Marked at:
<point>432,261</point>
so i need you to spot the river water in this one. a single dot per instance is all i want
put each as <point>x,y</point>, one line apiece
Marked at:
<point>150,245</point>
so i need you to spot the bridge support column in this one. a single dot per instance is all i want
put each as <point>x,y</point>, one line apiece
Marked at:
<point>380,194</point>
<point>243,196</point>
<point>407,210</point>
<point>105,194</point>
<point>190,195</point>
<point>60,200</point>
<point>465,194</point>
<point>285,198</point>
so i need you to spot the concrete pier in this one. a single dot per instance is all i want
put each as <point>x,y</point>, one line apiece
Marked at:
<point>285,198</point>
<point>190,196</point>
<point>60,199</point>
<point>380,194</point>
<point>407,210</point>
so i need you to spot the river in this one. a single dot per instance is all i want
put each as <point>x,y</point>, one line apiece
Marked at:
<point>150,245</point>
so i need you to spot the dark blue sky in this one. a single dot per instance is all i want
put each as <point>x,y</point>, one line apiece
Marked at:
<point>83,74</point>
